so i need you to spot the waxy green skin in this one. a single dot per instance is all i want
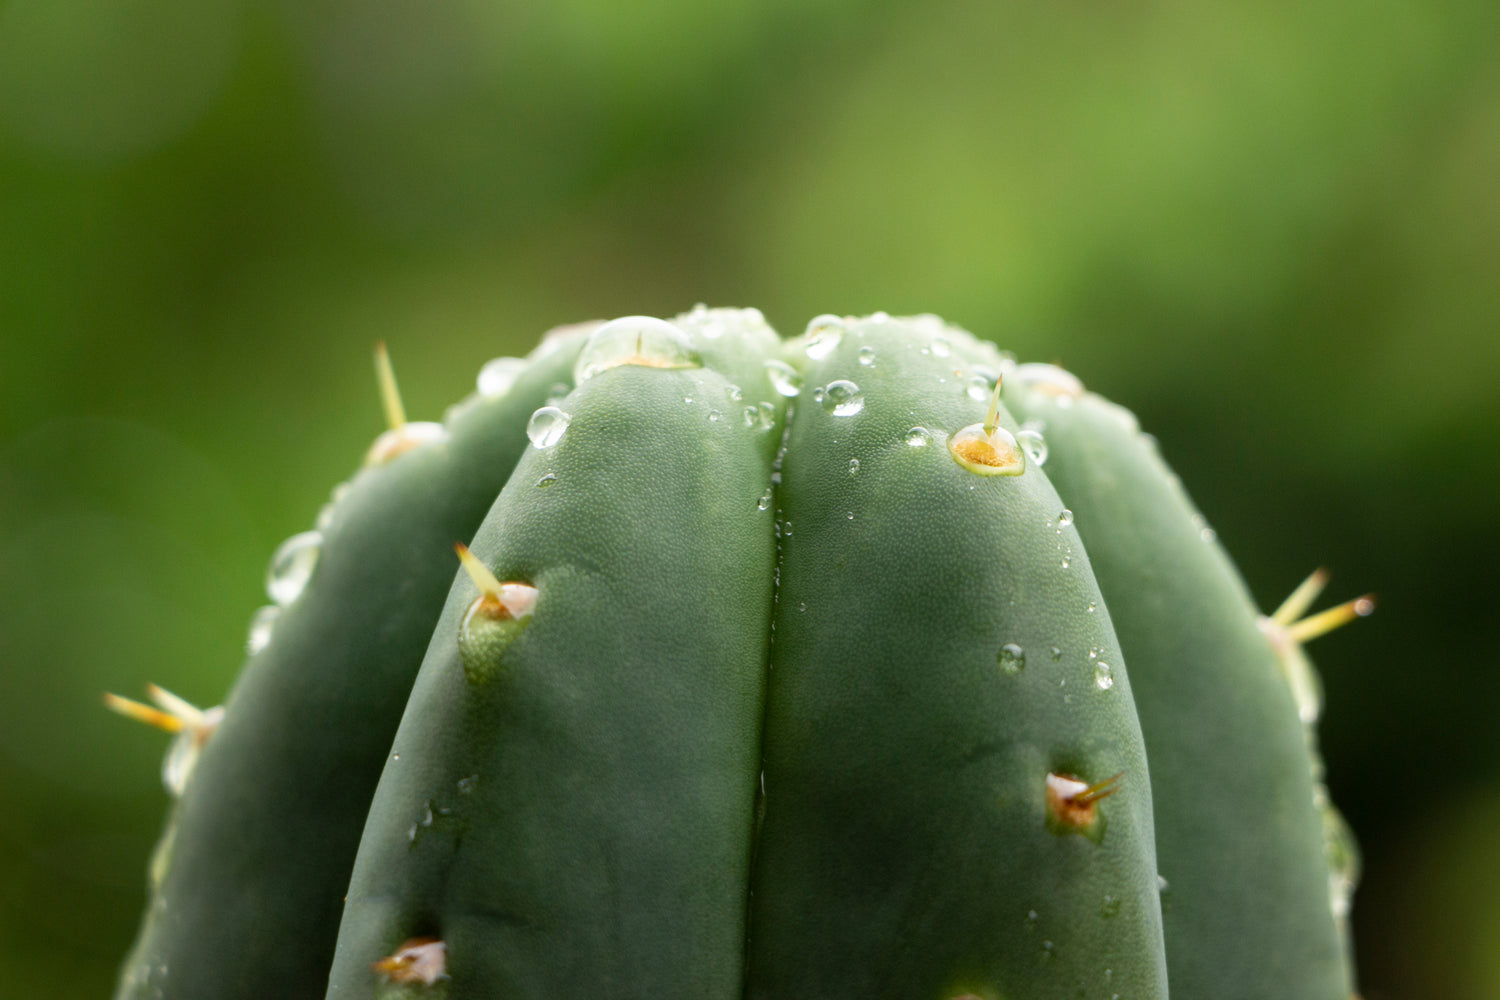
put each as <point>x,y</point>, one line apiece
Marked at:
<point>261,844</point>
<point>594,794</point>
<point>580,817</point>
<point>905,847</point>
<point>1239,831</point>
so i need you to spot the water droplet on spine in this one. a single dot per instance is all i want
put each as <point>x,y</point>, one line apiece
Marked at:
<point>292,566</point>
<point>547,426</point>
<point>643,341</point>
<point>498,375</point>
<point>842,398</point>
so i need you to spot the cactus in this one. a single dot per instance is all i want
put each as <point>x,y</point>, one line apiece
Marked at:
<point>765,669</point>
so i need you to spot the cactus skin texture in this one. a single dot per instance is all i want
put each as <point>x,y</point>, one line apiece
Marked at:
<point>783,671</point>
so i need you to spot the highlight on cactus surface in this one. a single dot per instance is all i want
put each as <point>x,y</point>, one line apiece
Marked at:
<point>867,663</point>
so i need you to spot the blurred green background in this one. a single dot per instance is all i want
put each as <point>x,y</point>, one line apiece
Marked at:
<point>1272,228</point>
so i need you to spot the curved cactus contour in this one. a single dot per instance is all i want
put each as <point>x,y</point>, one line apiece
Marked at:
<point>771,670</point>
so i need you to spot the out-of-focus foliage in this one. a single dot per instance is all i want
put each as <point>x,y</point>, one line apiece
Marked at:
<point>1272,228</point>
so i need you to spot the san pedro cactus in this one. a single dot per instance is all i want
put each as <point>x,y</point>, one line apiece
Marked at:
<point>766,670</point>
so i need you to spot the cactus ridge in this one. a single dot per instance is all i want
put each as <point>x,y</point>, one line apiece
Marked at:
<point>767,669</point>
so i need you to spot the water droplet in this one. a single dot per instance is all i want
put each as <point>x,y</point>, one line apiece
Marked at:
<point>1031,920</point>
<point>262,624</point>
<point>1162,885</point>
<point>867,356</point>
<point>764,502</point>
<point>1092,607</point>
<point>1012,658</point>
<point>1056,654</point>
<point>767,415</point>
<point>467,785</point>
<point>734,392</point>
<point>546,480</point>
<point>1047,951</point>
<point>714,416</point>
<point>941,347</point>
<point>801,606</point>
<point>919,437</point>
<point>397,441</point>
<point>498,375</point>
<point>853,466</point>
<point>1067,560</point>
<point>1342,852</point>
<point>1049,379</point>
<point>995,453</point>
<point>1104,676</point>
<point>558,392</point>
<point>292,566</point>
<point>979,388</point>
<point>823,336</point>
<point>784,378</point>
<point>850,515</point>
<point>1065,519</point>
<point>1034,443</point>
<point>395,756</point>
<point>786,528</point>
<point>635,340</point>
<point>843,398</point>
<point>1208,534</point>
<point>547,426</point>
<point>1109,906</point>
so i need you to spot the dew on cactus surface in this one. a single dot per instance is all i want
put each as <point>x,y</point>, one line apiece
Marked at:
<point>1031,920</point>
<point>1342,852</point>
<point>784,378</point>
<point>842,398</point>
<point>467,785</point>
<point>979,388</point>
<point>419,960</point>
<point>1034,443</point>
<point>823,336</point>
<point>1012,658</point>
<point>919,437</point>
<point>734,392</point>
<point>1109,906</point>
<point>1073,804</point>
<point>1056,654</point>
<point>1064,520</point>
<point>262,626</point>
<point>988,449</point>
<point>546,480</point>
<point>292,566</point>
<point>853,466</point>
<point>492,622</point>
<point>498,375</point>
<point>547,426</point>
<point>1050,380</point>
<point>866,356</point>
<point>764,502</point>
<point>191,725</point>
<point>1104,676</point>
<point>635,340</point>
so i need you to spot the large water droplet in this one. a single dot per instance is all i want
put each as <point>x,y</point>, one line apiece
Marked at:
<point>1049,379</point>
<point>635,340</point>
<point>292,566</point>
<point>1064,520</point>
<point>1034,443</point>
<point>842,398</point>
<point>1012,658</point>
<point>919,437</point>
<point>1104,676</point>
<point>547,426</point>
<point>995,453</point>
<point>262,625</point>
<point>784,378</point>
<point>823,336</point>
<point>498,375</point>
